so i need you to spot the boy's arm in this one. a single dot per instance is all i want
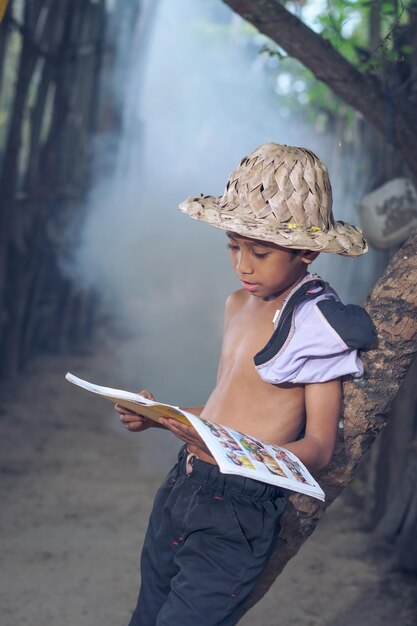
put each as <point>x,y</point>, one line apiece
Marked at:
<point>323,402</point>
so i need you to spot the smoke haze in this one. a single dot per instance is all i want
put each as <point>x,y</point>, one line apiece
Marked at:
<point>198,101</point>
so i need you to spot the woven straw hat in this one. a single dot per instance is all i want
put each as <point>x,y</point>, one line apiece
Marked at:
<point>283,195</point>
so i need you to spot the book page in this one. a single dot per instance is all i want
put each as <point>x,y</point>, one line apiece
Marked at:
<point>133,401</point>
<point>292,466</point>
<point>237,453</point>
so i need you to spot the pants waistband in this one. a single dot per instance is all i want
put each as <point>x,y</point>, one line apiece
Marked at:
<point>209,475</point>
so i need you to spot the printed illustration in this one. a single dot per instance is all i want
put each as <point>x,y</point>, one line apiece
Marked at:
<point>240,459</point>
<point>293,466</point>
<point>259,453</point>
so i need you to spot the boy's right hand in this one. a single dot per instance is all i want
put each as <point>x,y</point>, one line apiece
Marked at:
<point>135,422</point>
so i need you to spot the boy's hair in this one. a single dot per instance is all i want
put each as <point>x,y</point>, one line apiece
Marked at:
<point>280,194</point>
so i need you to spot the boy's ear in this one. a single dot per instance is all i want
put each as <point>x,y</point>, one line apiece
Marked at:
<point>308,256</point>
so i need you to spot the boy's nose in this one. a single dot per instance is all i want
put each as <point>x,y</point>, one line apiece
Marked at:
<point>243,265</point>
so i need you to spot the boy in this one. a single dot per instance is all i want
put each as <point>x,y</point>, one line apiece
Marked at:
<point>210,534</point>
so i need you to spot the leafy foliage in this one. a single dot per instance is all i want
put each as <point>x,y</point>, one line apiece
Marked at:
<point>371,34</point>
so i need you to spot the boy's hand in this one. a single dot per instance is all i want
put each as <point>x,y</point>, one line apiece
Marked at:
<point>188,434</point>
<point>135,422</point>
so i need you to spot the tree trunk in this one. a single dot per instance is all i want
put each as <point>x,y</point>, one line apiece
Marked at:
<point>28,61</point>
<point>392,305</point>
<point>394,513</point>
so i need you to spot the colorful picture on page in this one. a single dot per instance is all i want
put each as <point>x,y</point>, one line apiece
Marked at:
<point>240,459</point>
<point>230,444</point>
<point>293,466</point>
<point>259,453</point>
<point>215,429</point>
<point>232,449</point>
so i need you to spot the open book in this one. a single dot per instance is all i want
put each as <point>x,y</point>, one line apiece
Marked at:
<point>235,452</point>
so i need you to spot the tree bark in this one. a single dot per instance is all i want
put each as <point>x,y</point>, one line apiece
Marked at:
<point>392,305</point>
<point>393,485</point>
<point>393,117</point>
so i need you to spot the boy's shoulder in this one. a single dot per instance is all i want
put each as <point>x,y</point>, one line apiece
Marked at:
<point>234,302</point>
<point>316,337</point>
<point>235,298</point>
<point>325,311</point>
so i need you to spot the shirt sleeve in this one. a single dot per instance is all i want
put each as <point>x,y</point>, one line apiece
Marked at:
<point>314,351</point>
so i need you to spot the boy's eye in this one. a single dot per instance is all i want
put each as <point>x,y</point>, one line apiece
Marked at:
<point>232,246</point>
<point>260,255</point>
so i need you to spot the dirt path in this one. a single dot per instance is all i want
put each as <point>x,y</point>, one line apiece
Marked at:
<point>75,494</point>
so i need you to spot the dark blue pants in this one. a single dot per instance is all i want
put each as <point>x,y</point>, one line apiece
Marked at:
<point>208,539</point>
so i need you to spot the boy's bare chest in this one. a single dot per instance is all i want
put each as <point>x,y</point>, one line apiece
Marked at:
<point>245,335</point>
<point>241,399</point>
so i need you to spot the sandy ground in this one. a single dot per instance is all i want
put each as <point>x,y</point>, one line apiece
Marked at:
<point>76,490</point>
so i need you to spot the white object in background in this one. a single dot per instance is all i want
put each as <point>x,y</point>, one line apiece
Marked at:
<point>389,214</point>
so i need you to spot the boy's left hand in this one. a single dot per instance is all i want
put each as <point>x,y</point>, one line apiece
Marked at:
<point>188,434</point>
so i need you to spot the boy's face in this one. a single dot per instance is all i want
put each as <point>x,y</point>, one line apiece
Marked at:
<point>266,269</point>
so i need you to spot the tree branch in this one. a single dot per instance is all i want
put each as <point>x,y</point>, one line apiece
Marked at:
<point>361,91</point>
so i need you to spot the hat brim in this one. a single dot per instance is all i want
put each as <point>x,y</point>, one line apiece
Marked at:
<point>341,238</point>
